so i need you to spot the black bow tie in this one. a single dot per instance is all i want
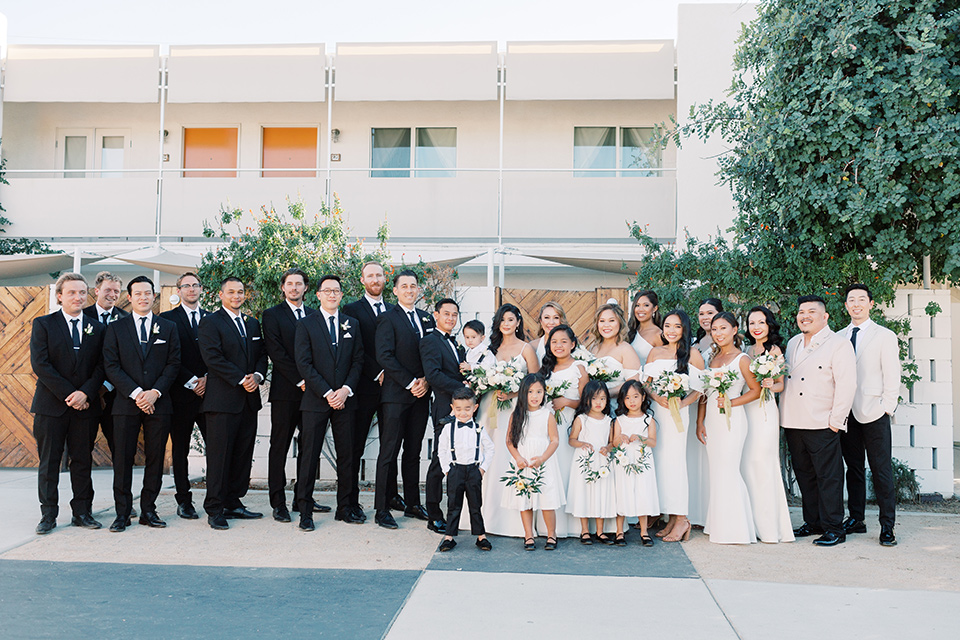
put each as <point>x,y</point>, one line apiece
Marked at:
<point>465,424</point>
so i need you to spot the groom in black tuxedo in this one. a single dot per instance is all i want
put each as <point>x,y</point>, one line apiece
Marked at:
<point>65,352</point>
<point>405,394</point>
<point>141,357</point>
<point>329,358</point>
<point>441,357</point>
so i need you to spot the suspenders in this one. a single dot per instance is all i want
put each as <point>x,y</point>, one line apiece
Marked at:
<point>453,448</point>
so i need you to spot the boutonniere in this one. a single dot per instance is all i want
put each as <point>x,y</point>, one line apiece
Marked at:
<point>345,326</point>
<point>88,330</point>
<point>156,329</point>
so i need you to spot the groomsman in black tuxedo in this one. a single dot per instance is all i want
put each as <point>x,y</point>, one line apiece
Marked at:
<point>232,349</point>
<point>65,352</point>
<point>441,357</point>
<point>141,357</point>
<point>187,391</point>
<point>105,311</point>
<point>405,395</point>
<point>329,358</point>
<point>367,310</point>
<point>286,386</point>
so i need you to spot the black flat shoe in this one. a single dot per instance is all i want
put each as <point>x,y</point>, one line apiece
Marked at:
<point>646,541</point>
<point>280,514</point>
<point>151,519</point>
<point>46,526</point>
<point>806,530</point>
<point>887,539</point>
<point>187,511</point>
<point>604,538</point>
<point>830,539</point>
<point>551,544</point>
<point>585,539</point>
<point>447,545</point>
<point>417,511</point>
<point>385,520</point>
<point>620,541</point>
<point>86,521</point>
<point>529,544</point>
<point>853,526</point>
<point>218,522</point>
<point>484,545</point>
<point>306,523</point>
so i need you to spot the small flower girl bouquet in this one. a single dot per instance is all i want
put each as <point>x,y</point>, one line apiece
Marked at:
<point>720,381</point>
<point>632,459</point>
<point>674,387</point>
<point>525,482</point>
<point>502,376</point>
<point>555,391</point>
<point>765,367</point>
<point>592,469</point>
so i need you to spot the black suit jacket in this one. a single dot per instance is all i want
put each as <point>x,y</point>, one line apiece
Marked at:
<point>127,367</point>
<point>398,352</point>
<point>229,358</point>
<point>442,370</point>
<point>59,371</point>
<point>115,314</point>
<point>321,368</point>
<point>279,334</point>
<point>360,309</point>
<point>191,362</point>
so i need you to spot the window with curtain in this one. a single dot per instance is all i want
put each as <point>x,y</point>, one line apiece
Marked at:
<point>436,149</point>
<point>390,153</point>
<point>111,156</point>
<point>638,152</point>
<point>595,148</point>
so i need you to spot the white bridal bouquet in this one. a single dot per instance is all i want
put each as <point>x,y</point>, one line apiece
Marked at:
<point>720,381</point>
<point>503,376</point>
<point>674,387</point>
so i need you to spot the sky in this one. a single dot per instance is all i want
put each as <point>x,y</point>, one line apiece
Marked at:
<point>328,21</point>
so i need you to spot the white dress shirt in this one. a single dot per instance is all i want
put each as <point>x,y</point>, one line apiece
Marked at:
<point>233,321</point>
<point>465,443</point>
<point>338,337</point>
<point>191,384</point>
<point>136,325</point>
<point>67,317</point>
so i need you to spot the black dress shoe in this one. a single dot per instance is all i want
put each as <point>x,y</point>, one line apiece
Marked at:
<point>447,545</point>
<point>306,523</point>
<point>46,526</point>
<point>854,526</point>
<point>241,513</point>
<point>830,539</point>
<point>151,519</point>
<point>186,511</point>
<point>320,508</point>
<point>358,512</point>
<point>484,545</point>
<point>120,524</point>
<point>133,514</point>
<point>86,521</point>
<point>887,539</point>
<point>385,520</point>
<point>349,516</point>
<point>397,504</point>
<point>416,511</point>
<point>280,514</point>
<point>437,526</point>
<point>805,530</point>
<point>218,522</point>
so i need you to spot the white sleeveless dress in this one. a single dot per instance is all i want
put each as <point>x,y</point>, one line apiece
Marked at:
<point>642,347</point>
<point>541,348</point>
<point>636,493</point>
<point>698,476</point>
<point>566,525</point>
<point>729,514</point>
<point>535,440</point>
<point>496,519</point>
<point>760,467</point>
<point>596,499</point>
<point>613,387</point>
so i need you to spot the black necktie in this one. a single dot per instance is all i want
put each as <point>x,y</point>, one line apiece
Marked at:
<point>193,323</point>
<point>853,338</point>
<point>333,332</point>
<point>75,332</point>
<point>243,334</point>
<point>299,314</point>
<point>379,307</point>
<point>143,335</point>
<point>413,321</point>
<point>104,318</point>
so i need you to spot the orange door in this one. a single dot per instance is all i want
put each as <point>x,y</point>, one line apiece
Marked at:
<point>210,148</point>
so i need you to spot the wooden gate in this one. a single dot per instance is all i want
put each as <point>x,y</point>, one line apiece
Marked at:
<point>579,306</point>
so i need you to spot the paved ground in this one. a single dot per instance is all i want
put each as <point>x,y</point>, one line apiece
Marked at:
<point>263,578</point>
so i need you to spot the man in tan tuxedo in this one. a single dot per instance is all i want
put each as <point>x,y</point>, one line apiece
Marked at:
<point>815,403</point>
<point>868,430</point>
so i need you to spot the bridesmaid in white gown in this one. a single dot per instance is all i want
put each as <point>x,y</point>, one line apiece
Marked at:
<point>729,514</point>
<point>551,315</point>
<point>643,330</point>
<point>697,467</point>
<point>670,454</point>
<point>559,366</point>
<point>506,342</point>
<point>760,465</point>
<point>610,345</point>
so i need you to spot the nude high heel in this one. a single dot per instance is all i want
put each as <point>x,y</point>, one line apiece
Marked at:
<point>680,532</point>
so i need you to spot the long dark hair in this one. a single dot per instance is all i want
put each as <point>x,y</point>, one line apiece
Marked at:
<point>773,330</point>
<point>633,325</point>
<point>683,345</point>
<point>731,319</point>
<point>550,360</point>
<point>622,396</point>
<point>713,302</point>
<point>591,389</point>
<point>496,337</point>
<point>519,416</point>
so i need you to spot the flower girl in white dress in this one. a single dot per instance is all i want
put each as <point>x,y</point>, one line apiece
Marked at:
<point>635,432</point>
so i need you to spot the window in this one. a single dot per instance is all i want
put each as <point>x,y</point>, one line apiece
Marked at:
<point>615,148</point>
<point>74,155</point>
<point>210,148</point>
<point>392,155</point>
<point>289,148</point>
<point>91,153</point>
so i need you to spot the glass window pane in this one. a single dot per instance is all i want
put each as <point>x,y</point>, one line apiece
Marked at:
<point>391,150</point>
<point>637,151</point>
<point>436,149</point>
<point>289,148</point>
<point>111,156</point>
<point>594,148</point>
<point>74,155</point>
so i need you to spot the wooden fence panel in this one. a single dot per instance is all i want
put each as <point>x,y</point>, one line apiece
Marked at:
<point>18,307</point>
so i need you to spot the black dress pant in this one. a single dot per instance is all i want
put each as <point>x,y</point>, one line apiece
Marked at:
<point>230,440</point>
<point>186,414</point>
<point>464,479</point>
<point>403,425</point>
<point>126,433</point>
<point>312,435</point>
<point>285,419</point>
<point>434,488</point>
<point>368,405</point>
<point>52,434</point>
<point>874,439</point>
<point>105,422</point>
<point>818,466</point>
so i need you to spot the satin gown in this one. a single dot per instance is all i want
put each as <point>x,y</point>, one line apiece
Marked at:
<point>642,347</point>
<point>698,469</point>
<point>760,467</point>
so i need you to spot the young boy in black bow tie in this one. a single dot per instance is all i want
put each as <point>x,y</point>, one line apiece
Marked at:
<point>465,451</point>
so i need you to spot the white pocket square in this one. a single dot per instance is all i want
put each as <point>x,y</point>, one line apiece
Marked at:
<point>427,329</point>
<point>347,335</point>
<point>255,338</point>
<point>160,342</point>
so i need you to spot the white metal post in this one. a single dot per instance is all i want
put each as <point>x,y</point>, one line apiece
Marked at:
<point>163,104</point>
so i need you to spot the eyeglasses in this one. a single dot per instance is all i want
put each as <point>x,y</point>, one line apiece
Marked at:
<point>191,286</point>
<point>330,292</point>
